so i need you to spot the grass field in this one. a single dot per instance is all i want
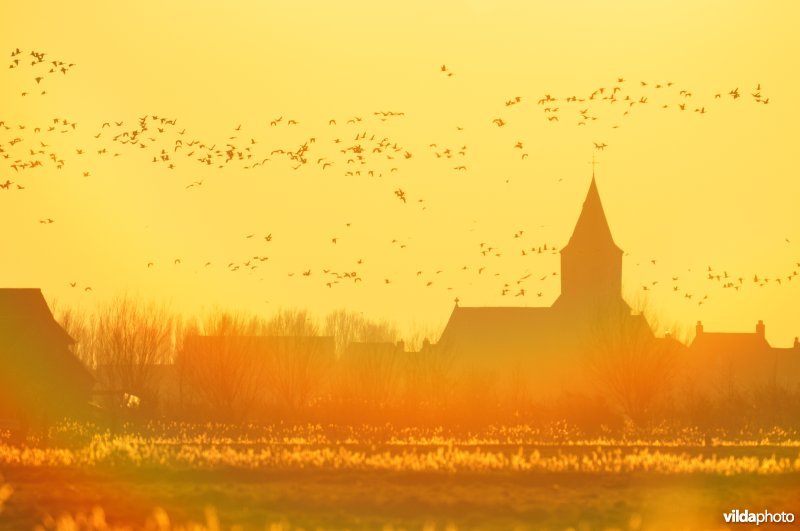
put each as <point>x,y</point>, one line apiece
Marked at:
<point>373,478</point>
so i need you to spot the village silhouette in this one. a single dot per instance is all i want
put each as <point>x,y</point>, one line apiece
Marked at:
<point>588,344</point>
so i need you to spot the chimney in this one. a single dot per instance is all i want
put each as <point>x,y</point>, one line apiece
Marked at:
<point>797,343</point>
<point>401,346</point>
<point>699,328</point>
<point>760,328</point>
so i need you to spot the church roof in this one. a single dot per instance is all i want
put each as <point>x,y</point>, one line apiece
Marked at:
<point>499,320</point>
<point>592,230</point>
<point>548,335</point>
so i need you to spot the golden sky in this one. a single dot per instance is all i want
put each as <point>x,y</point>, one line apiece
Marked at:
<point>689,190</point>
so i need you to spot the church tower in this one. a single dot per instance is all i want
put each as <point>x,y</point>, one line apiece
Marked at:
<point>591,263</point>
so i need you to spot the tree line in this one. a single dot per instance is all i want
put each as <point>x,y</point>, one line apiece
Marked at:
<point>155,363</point>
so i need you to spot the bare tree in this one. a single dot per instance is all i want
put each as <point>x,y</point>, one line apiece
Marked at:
<point>299,363</point>
<point>367,369</point>
<point>349,327</point>
<point>82,327</point>
<point>219,364</point>
<point>428,377</point>
<point>370,375</point>
<point>633,369</point>
<point>132,340</point>
<point>417,335</point>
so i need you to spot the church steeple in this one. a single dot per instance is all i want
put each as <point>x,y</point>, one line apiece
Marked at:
<point>591,263</point>
<point>591,230</point>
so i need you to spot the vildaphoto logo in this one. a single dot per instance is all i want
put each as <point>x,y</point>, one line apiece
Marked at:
<point>764,517</point>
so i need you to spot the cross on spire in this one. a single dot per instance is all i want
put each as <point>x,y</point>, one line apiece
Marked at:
<point>593,163</point>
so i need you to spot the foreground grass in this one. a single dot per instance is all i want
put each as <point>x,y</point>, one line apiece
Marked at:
<point>384,478</point>
<point>136,452</point>
<point>496,450</point>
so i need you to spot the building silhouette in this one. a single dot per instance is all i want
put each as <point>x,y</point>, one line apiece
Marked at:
<point>741,360</point>
<point>41,379</point>
<point>552,348</point>
<point>591,263</point>
<point>557,349</point>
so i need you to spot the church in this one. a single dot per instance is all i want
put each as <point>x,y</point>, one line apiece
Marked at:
<point>590,337</point>
<point>551,348</point>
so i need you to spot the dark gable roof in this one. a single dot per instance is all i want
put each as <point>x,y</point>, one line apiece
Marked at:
<point>28,328</point>
<point>24,313</point>
<point>592,230</point>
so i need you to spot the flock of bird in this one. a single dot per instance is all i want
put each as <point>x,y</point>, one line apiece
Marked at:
<point>355,147</point>
<point>721,279</point>
<point>42,69</point>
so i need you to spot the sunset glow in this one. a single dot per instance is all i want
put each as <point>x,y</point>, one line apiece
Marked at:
<point>684,189</point>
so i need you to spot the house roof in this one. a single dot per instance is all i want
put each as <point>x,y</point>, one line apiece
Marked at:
<point>26,321</point>
<point>730,343</point>
<point>24,312</point>
<point>742,358</point>
<point>592,230</point>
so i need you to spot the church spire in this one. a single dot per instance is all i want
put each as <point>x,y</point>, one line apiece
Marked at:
<point>592,230</point>
<point>591,263</point>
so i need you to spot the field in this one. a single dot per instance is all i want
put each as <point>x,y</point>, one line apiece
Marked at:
<point>314,477</point>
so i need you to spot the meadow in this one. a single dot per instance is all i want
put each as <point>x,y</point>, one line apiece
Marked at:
<point>212,476</point>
